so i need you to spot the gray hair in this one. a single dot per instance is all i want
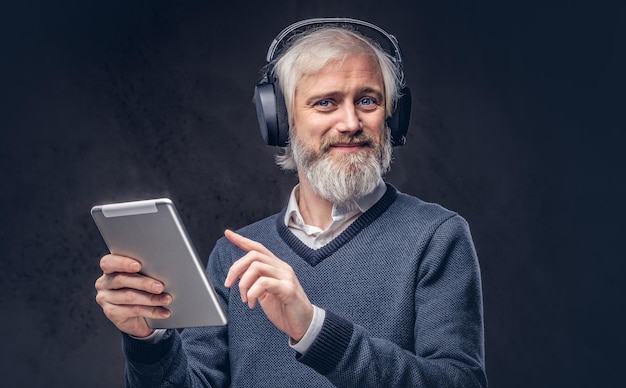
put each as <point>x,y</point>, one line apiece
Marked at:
<point>310,51</point>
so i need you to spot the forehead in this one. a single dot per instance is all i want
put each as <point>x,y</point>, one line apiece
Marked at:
<point>352,71</point>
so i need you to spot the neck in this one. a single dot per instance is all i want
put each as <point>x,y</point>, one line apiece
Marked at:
<point>315,210</point>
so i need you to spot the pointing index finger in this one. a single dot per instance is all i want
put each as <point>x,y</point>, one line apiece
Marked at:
<point>245,243</point>
<point>240,266</point>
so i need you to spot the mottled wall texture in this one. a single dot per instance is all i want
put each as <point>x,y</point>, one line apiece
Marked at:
<point>516,125</point>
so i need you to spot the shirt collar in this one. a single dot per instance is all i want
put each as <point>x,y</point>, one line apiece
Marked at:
<point>361,204</point>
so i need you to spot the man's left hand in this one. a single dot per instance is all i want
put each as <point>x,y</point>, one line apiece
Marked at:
<point>266,279</point>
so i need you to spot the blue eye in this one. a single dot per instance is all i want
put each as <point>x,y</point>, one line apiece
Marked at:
<point>366,101</point>
<point>324,103</point>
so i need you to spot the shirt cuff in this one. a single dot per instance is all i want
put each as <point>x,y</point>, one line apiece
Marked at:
<point>153,338</point>
<point>312,332</point>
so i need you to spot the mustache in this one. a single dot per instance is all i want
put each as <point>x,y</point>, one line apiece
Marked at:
<point>363,139</point>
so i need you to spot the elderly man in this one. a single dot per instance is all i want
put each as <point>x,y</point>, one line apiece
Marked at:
<point>353,283</point>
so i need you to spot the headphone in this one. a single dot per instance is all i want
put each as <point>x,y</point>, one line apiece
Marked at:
<point>270,103</point>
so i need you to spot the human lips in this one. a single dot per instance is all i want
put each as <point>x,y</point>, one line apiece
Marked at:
<point>350,144</point>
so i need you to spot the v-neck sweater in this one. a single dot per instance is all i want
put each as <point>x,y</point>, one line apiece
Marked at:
<point>401,290</point>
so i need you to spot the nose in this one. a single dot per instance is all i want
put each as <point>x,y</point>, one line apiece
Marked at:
<point>349,122</point>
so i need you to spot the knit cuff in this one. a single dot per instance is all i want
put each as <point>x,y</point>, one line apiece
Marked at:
<point>144,352</point>
<point>329,346</point>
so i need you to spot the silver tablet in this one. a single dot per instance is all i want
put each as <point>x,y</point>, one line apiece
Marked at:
<point>152,232</point>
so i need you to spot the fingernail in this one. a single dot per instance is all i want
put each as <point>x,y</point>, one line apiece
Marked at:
<point>135,267</point>
<point>156,287</point>
<point>165,313</point>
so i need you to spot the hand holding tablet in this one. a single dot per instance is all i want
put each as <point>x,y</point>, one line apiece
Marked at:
<point>152,233</point>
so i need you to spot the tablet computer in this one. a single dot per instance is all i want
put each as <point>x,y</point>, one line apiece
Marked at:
<point>152,232</point>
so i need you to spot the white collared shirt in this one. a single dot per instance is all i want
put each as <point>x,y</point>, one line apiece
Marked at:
<point>343,215</point>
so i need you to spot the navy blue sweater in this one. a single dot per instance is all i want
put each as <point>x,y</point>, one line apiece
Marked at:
<point>401,287</point>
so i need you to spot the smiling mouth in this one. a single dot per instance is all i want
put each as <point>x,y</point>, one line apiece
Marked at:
<point>350,145</point>
<point>347,143</point>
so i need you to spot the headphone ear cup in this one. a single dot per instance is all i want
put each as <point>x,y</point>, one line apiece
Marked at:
<point>400,118</point>
<point>271,114</point>
<point>265,103</point>
<point>281,116</point>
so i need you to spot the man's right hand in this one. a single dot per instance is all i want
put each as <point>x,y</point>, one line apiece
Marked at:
<point>128,297</point>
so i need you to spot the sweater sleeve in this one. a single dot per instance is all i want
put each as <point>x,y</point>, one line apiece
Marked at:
<point>448,327</point>
<point>197,357</point>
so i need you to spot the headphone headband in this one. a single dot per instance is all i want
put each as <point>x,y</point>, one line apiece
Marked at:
<point>393,50</point>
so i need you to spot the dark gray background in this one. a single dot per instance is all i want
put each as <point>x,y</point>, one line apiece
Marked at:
<point>516,125</point>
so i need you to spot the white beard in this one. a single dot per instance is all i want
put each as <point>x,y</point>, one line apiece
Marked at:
<point>343,177</point>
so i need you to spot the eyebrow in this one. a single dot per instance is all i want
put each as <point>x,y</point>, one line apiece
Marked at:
<point>377,93</point>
